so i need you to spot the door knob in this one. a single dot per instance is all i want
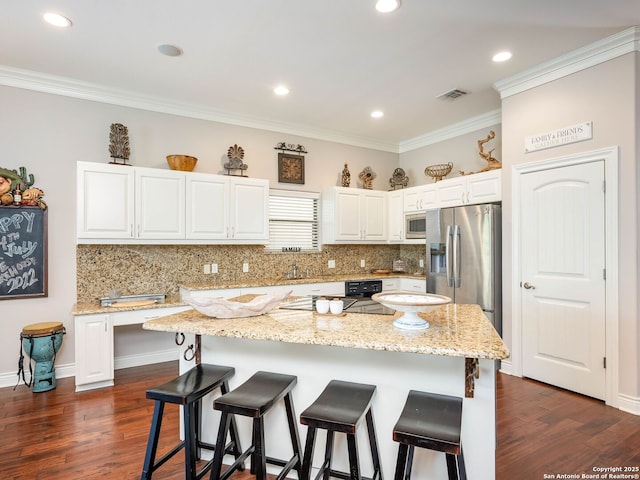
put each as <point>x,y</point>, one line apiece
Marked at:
<point>528,286</point>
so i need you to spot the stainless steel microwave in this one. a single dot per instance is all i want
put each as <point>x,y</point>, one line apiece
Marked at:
<point>415,225</point>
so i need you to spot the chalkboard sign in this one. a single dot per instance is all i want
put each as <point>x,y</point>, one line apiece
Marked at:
<point>23,252</point>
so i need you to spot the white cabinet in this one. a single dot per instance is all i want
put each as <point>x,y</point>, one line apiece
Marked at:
<point>390,284</point>
<point>160,204</point>
<point>420,198</point>
<point>482,187</point>
<point>94,351</point>
<point>413,285</point>
<point>94,343</point>
<point>149,205</point>
<point>354,215</point>
<point>395,216</point>
<point>227,209</point>
<point>249,209</point>
<point>105,201</point>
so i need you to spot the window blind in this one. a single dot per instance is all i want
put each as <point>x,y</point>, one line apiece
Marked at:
<point>293,221</point>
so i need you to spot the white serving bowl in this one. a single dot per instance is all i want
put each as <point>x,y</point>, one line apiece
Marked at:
<point>411,303</point>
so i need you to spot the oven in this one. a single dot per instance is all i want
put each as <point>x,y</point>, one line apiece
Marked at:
<point>357,299</point>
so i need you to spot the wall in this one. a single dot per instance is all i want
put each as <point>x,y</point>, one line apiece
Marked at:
<point>461,151</point>
<point>606,94</point>
<point>48,134</point>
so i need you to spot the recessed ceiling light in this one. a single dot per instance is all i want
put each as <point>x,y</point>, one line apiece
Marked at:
<point>377,114</point>
<point>170,50</point>
<point>281,90</point>
<point>386,6</point>
<point>501,56</point>
<point>56,20</point>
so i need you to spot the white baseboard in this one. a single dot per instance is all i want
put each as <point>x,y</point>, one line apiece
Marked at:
<point>506,367</point>
<point>10,379</point>
<point>629,404</point>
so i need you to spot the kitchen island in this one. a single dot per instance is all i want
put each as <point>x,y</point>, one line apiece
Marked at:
<point>368,349</point>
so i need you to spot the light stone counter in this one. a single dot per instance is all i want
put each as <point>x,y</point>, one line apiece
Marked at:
<point>360,348</point>
<point>455,330</point>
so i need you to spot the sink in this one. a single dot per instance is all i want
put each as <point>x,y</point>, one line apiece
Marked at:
<point>411,303</point>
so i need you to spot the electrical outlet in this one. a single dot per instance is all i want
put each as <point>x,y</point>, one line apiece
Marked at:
<point>245,267</point>
<point>214,268</point>
<point>206,269</point>
<point>332,264</point>
<point>422,263</point>
<point>362,263</point>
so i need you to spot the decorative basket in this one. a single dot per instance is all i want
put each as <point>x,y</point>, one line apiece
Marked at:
<point>183,163</point>
<point>438,172</point>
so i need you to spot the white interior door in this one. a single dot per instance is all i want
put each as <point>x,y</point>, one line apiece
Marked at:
<point>562,241</point>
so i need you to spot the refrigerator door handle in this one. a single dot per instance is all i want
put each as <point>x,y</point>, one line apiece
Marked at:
<point>457,264</point>
<point>447,257</point>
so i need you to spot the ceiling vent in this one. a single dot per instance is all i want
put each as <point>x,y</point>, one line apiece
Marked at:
<point>452,94</point>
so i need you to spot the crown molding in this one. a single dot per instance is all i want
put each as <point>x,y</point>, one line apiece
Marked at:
<point>593,54</point>
<point>461,128</point>
<point>56,85</point>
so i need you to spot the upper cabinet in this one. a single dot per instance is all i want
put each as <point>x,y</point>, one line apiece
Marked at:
<point>419,198</point>
<point>477,188</point>
<point>351,215</point>
<point>395,216</point>
<point>147,205</point>
<point>227,209</point>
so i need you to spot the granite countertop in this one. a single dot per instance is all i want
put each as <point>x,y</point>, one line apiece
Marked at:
<point>90,307</point>
<point>455,330</point>
<point>264,282</point>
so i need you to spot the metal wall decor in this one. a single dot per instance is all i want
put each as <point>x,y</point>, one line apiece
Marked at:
<point>367,175</point>
<point>290,168</point>
<point>119,144</point>
<point>398,179</point>
<point>290,147</point>
<point>235,154</point>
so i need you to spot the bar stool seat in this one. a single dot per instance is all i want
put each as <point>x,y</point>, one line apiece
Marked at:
<point>188,390</point>
<point>341,408</point>
<point>433,422</point>
<point>254,399</point>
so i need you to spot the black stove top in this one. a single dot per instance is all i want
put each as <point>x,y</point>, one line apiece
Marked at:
<point>350,305</point>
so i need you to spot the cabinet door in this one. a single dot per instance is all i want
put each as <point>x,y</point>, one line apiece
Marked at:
<point>94,350</point>
<point>160,204</point>
<point>427,197</point>
<point>395,215</point>
<point>485,187</point>
<point>451,192</point>
<point>411,199</point>
<point>347,215</point>
<point>249,210</point>
<point>105,201</point>
<point>373,217</point>
<point>207,207</point>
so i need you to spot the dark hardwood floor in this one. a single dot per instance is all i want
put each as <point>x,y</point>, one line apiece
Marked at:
<point>63,435</point>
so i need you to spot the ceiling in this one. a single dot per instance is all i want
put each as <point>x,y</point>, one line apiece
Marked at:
<point>341,59</point>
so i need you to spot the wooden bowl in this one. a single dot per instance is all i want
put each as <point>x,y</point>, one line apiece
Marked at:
<point>184,163</point>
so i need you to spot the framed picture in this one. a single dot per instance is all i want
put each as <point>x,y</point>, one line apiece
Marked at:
<point>290,168</point>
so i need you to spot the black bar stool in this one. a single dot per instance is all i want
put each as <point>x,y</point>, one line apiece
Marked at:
<point>188,390</point>
<point>430,421</point>
<point>254,398</point>
<point>340,408</point>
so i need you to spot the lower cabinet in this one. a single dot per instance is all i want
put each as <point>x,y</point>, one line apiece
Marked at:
<point>94,337</point>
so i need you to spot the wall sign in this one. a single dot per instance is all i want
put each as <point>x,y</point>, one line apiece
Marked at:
<point>23,252</point>
<point>561,136</point>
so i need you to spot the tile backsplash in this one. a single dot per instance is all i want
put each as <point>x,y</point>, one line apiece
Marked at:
<point>140,269</point>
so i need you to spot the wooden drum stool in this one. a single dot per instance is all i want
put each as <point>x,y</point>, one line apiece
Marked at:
<point>430,421</point>
<point>340,408</point>
<point>254,399</point>
<point>188,390</point>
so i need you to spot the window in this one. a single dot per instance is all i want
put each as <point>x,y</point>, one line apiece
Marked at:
<point>293,220</point>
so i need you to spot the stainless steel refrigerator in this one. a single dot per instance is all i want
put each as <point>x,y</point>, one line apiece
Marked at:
<point>464,256</point>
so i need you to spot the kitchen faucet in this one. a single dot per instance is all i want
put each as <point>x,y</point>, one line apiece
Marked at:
<point>295,270</point>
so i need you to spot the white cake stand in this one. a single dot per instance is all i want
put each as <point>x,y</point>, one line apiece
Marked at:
<point>411,303</point>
